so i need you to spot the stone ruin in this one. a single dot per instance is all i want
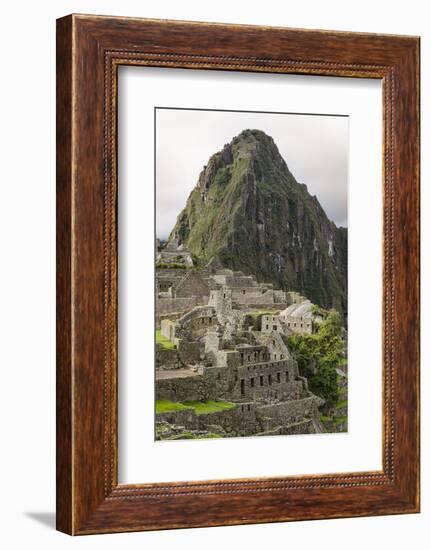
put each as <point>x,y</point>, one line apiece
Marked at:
<point>229,336</point>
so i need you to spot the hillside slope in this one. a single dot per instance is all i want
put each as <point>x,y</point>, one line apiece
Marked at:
<point>248,210</point>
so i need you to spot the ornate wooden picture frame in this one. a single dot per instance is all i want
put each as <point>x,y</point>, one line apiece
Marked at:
<point>89,51</point>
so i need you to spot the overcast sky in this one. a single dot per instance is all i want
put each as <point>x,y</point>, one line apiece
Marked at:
<point>315,149</point>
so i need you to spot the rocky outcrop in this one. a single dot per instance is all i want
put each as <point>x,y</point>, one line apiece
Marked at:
<point>248,210</point>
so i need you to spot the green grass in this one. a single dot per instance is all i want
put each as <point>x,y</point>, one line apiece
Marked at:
<point>341,404</point>
<point>200,407</point>
<point>172,265</point>
<point>160,339</point>
<point>204,407</point>
<point>164,405</point>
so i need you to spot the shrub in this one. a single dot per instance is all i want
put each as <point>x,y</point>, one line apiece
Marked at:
<point>323,350</point>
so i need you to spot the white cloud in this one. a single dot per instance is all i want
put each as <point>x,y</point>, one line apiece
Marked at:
<point>314,147</point>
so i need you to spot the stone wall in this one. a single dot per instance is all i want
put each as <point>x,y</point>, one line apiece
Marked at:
<point>169,316</point>
<point>271,380</point>
<point>167,359</point>
<point>249,354</point>
<point>249,418</point>
<point>276,307</point>
<point>253,298</point>
<point>199,325</point>
<point>295,298</point>
<point>166,306</point>
<point>167,328</point>
<point>212,342</point>
<point>279,297</point>
<point>186,355</point>
<point>221,300</point>
<point>175,257</point>
<point>270,323</point>
<point>290,412</point>
<point>166,278</point>
<point>241,420</point>
<point>299,325</point>
<point>261,381</point>
<point>215,383</point>
<point>190,388</point>
<point>190,353</point>
<point>196,322</point>
<point>277,348</point>
<point>191,285</point>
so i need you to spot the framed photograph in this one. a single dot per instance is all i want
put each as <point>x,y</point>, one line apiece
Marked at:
<point>237,274</point>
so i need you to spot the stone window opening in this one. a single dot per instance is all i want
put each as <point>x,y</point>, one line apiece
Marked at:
<point>267,327</point>
<point>274,327</point>
<point>275,356</point>
<point>248,407</point>
<point>243,291</point>
<point>261,380</point>
<point>242,387</point>
<point>269,379</point>
<point>287,377</point>
<point>252,382</point>
<point>279,377</point>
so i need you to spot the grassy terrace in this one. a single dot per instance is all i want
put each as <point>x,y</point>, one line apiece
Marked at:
<point>160,339</point>
<point>200,407</point>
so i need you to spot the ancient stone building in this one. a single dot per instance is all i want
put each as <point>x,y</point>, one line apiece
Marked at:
<point>229,335</point>
<point>192,284</point>
<point>172,254</point>
<point>299,317</point>
<point>271,323</point>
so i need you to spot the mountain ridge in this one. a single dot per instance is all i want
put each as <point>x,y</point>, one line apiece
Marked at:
<point>248,210</point>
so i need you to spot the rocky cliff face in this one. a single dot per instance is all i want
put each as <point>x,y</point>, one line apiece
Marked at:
<point>248,210</point>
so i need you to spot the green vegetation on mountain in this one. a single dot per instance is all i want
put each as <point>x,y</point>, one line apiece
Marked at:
<point>319,355</point>
<point>248,210</point>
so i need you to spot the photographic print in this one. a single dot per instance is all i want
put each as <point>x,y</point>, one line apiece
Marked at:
<point>251,301</point>
<point>208,329</point>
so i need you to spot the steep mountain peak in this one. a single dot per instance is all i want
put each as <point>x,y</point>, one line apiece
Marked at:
<point>249,211</point>
<point>254,143</point>
<point>249,136</point>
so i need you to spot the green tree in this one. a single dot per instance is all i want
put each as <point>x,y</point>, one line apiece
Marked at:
<point>320,354</point>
